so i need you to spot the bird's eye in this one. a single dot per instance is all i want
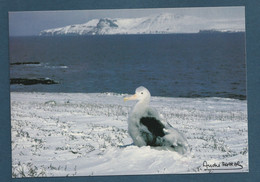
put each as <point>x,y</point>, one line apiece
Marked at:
<point>141,92</point>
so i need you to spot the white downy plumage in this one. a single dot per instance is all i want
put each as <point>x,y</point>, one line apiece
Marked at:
<point>146,127</point>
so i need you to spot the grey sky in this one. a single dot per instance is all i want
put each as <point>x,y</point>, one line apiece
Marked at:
<point>32,22</point>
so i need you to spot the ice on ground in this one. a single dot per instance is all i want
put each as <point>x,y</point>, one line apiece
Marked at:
<point>76,134</point>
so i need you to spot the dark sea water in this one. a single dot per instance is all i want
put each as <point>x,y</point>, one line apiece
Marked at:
<point>176,65</point>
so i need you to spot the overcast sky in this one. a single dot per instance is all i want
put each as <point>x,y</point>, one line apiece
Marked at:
<point>28,23</point>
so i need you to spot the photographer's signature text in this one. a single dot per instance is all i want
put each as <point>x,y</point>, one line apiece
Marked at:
<point>222,166</point>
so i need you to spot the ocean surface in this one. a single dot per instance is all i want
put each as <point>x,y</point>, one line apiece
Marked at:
<point>173,65</point>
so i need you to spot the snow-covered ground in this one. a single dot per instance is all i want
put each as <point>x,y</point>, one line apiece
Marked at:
<point>76,134</point>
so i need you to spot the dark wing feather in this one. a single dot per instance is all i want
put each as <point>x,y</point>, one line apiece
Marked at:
<point>154,125</point>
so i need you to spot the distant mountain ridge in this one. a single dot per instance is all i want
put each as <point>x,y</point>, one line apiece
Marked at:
<point>164,23</point>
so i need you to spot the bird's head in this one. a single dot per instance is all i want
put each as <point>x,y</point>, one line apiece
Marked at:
<point>141,94</point>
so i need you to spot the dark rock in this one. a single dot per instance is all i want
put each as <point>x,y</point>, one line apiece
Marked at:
<point>23,63</point>
<point>28,81</point>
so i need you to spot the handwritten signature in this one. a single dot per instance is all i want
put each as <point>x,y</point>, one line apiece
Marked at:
<point>222,166</point>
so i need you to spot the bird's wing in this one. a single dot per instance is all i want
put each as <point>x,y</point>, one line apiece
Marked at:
<point>154,125</point>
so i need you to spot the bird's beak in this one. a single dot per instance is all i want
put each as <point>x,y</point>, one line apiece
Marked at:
<point>133,97</point>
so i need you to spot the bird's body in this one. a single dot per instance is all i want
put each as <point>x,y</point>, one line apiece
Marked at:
<point>146,127</point>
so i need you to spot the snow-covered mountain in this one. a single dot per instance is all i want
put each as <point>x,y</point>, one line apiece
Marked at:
<point>162,23</point>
